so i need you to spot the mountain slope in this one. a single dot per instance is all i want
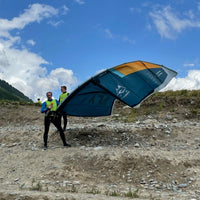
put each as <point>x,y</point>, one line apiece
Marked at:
<point>8,92</point>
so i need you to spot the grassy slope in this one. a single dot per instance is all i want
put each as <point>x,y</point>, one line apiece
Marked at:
<point>7,92</point>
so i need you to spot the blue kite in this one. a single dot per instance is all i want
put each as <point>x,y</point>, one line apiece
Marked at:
<point>131,83</point>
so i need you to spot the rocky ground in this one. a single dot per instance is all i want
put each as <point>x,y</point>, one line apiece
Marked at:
<point>146,153</point>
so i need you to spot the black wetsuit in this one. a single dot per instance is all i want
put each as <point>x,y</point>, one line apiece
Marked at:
<point>64,115</point>
<point>55,120</point>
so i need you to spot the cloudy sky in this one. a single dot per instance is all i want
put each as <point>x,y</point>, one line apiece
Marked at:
<point>45,44</point>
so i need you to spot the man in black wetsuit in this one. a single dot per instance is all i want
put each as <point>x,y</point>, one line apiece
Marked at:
<point>49,107</point>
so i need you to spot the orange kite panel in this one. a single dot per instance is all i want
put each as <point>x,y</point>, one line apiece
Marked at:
<point>129,68</point>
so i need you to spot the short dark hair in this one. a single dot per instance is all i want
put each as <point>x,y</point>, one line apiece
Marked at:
<point>64,87</point>
<point>49,92</point>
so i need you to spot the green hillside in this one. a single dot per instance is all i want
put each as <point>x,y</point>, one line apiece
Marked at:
<point>8,92</point>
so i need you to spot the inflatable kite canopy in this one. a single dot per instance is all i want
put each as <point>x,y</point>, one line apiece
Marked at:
<point>130,82</point>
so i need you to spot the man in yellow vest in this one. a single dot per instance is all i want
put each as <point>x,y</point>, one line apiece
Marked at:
<point>49,107</point>
<point>63,114</point>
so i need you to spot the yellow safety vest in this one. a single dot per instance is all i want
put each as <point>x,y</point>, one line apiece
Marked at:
<point>63,96</point>
<point>54,107</point>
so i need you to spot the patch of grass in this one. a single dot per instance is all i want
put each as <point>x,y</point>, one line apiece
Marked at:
<point>184,92</point>
<point>132,116</point>
<point>21,186</point>
<point>148,111</point>
<point>11,102</point>
<point>74,189</point>
<point>178,93</point>
<point>33,181</point>
<point>195,93</point>
<point>36,186</point>
<point>117,118</point>
<point>161,106</point>
<point>93,191</point>
<point>16,106</point>
<point>131,194</point>
<point>38,104</point>
<point>194,112</point>
<point>114,194</point>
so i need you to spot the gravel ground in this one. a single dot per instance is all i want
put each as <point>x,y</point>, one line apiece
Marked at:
<point>156,157</point>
